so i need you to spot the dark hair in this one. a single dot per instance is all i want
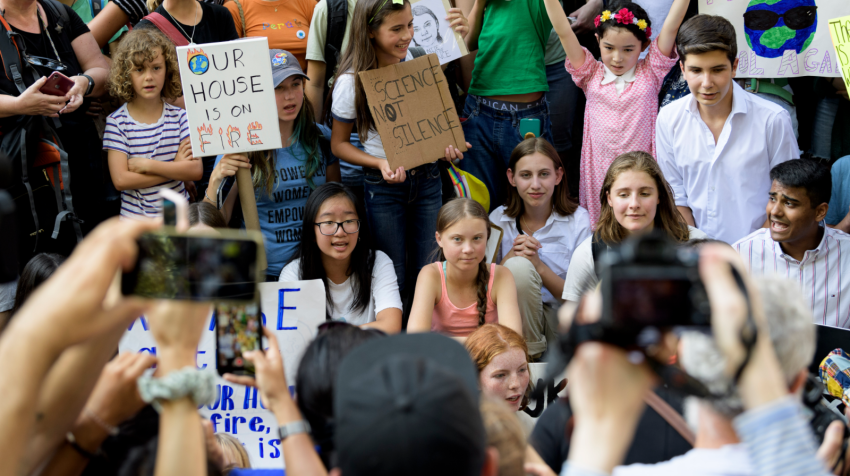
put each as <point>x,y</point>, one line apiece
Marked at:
<point>362,258</point>
<point>807,174</point>
<point>706,33</point>
<point>612,22</point>
<point>561,201</point>
<point>316,376</point>
<point>37,270</point>
<point>206,214</point>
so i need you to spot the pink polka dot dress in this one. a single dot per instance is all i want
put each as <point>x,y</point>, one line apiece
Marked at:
<point>616,123</point>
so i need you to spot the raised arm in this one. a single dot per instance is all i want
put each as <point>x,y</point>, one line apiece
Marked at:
<point>667,37</point>
<point>565,32</point>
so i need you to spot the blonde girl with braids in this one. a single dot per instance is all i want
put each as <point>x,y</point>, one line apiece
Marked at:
<point>461,292</point>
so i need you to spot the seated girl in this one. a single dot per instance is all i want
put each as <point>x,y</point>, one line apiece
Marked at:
<point>542,227</point>
<point>501,356</point>
<point>635,199</point>
<point>462,292</point>
<point>336,247</point>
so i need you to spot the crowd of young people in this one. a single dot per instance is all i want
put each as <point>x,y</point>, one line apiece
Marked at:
<point>395,252</point>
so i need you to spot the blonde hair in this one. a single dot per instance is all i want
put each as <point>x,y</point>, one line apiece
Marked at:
<point>229,442</point>
<point>504,433</point>
<point>140,46</point>
<point>453,212</point>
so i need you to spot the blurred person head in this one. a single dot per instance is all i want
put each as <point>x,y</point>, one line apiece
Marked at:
<point>204,216</point>
<point>505,435</point>
<point>501,356</point>
<point>316,375</point>
<point>37,270</point>
<point>233,452</point>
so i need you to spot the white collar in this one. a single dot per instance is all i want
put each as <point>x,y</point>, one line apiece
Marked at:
<point>619,81</point>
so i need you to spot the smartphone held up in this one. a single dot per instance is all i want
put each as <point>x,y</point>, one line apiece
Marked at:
<point>239,329</point>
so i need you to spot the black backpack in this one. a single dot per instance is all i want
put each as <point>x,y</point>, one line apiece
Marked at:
<point>337,16</point>
<point>41,177</point>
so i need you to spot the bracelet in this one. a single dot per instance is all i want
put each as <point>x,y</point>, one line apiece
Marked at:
<point>72,441</point>
<point>111,430</point>
<point>215,202</point>
<point>186,382</point>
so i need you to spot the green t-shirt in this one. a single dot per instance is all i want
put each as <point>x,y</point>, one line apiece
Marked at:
<point>84,9</point>
<point>554,52</point>
<point>511,49</point>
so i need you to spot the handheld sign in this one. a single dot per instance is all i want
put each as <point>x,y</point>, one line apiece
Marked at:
<point>229,97</point>
<point>413,111</point>
<point>293,311</point>
<point>432,32</point>
<point>839,29</point>
<point>781,39</point>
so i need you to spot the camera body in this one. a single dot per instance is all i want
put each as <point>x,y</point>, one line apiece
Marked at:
<point>821,412</point>
<point>651,281</point>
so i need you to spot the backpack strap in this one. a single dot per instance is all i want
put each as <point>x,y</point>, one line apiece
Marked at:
<point>167,28</point>
<point>597,247</point>
<point>26,182</point>
<point>670,415</point>
<point>337,16</point>
<point>417,51</point>
<point>59,12</point>
<point>241,18</point>
<point>68,212</point>
<point>11,56</point>
<point>96,7</point>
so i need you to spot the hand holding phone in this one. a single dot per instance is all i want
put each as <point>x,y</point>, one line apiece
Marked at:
<point>57,84</point>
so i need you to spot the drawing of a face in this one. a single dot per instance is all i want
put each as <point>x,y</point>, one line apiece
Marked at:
<point>425,29</point>
<point>772,27</point>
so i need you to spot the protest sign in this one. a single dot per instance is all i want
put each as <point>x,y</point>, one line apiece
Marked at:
<point>413,111</point>
<point>293,311</point>
<point>432,32</point>
<point>782,38</point>
<point>229,96</point>
<point>839,28</point>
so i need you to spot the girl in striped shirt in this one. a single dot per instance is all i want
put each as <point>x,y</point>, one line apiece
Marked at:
<point>147,138</point>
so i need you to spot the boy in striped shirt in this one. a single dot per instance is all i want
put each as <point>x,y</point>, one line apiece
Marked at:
<point>798,246</point>
<point>147,138</point>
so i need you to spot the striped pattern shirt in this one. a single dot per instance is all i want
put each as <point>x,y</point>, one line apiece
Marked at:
<point>823,274</point>
<point>157,141</point>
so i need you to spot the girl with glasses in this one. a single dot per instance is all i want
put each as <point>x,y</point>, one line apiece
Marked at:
<point>336,247</point>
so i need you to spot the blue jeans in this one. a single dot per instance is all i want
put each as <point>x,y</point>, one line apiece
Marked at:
<point>825,113</point>
<point>403,217</point>
<point>563,96</point>
<point>494,135</point>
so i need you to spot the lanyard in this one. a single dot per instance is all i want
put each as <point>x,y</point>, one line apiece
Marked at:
<point>46,30</point>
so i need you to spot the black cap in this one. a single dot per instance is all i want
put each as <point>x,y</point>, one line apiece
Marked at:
<point>408,404</point>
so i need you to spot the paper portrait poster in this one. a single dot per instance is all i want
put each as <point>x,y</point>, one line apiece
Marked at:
<point>431,30</point>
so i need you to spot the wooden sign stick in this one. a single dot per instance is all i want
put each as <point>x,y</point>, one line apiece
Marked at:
<point>249,209</point>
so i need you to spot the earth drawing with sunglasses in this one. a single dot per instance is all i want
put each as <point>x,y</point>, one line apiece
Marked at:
<point>772,27</point>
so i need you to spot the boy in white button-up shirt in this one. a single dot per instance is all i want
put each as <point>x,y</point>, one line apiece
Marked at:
<point>716,147</point>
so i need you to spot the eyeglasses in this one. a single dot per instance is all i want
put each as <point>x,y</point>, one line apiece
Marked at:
<point>798,18</point>
<point>329,228</point>
<point>44,62</point>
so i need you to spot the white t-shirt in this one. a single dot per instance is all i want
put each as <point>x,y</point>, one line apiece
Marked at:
<point>582,273</point>
<point>343,110</point>
<point>384,291</point>
<point>728,460</point>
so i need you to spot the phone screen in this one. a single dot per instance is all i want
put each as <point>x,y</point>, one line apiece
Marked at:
<point>655,302</point>
<point>238,329</point>
<point>196,268</point>
<point>169,212</point>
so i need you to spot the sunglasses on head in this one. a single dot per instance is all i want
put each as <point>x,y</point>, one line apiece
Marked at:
<point>798,18</point>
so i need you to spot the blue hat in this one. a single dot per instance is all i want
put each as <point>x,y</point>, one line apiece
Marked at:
<point>284,65</point>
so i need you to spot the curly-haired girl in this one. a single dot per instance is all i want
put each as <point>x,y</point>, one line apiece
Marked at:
<point>147,138</point>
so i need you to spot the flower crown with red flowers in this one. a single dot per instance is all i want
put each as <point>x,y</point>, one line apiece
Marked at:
<point>625,17</point>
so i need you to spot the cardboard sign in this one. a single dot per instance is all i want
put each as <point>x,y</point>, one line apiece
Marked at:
<point>229,96</point>
<point>839,29</point>
<point>413,111</point>
<point>432,32</point>
<point>293,311</point>
<point>784,38</point>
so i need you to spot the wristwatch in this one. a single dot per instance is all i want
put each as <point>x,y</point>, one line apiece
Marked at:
<point>91,84</point>
<point>293,428</point>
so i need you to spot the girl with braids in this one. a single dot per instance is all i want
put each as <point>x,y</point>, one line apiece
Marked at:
<point>283,178</point>
<point>462,292</point>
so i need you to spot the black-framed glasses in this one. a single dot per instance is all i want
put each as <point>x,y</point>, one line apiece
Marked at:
<point>331,227</point>
<point>44,62</point>
<point>798,18</point>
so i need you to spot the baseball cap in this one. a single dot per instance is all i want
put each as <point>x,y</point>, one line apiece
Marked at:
<point>284,65</point>
<point>408,404</point>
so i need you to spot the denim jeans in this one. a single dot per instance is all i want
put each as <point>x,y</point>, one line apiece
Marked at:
<point>403,217</point>
<point>563,96</point>
<point>825,113</point>
<point>494,135</point>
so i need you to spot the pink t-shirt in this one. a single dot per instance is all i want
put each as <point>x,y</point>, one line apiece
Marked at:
<point>616,123</point>
<point>452,321</point>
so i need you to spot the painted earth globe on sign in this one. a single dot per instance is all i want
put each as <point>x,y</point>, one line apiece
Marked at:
<point>774,26</point>
<point>199,64</point>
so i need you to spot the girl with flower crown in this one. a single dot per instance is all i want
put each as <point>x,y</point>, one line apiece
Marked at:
<point>622,89</point>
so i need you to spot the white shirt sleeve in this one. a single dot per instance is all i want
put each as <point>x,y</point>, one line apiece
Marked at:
<point>290,272</point>
<point>343,108</point>
<point>781,143</point>
<point>384,284</point>
<point>581,275</point>
<point>666,157</point>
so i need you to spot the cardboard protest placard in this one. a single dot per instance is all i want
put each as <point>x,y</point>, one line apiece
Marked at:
<point>839,29</point>
<point>432,32</point>
<point>413,111</point>
<point>784,38</point>
<point>229,97</point>
<point>293,311</point>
